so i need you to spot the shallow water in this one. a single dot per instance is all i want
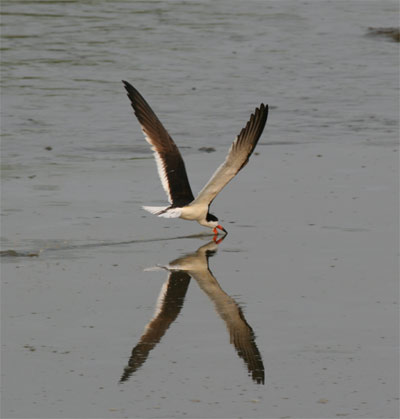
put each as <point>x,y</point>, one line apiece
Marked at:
<point>307,278</point>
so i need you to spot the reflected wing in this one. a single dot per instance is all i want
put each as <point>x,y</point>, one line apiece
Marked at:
<point>169,305</point>
<point>170,165</point>
<point>237,157</point>
<point>241,334</point>
<point>243,338</point>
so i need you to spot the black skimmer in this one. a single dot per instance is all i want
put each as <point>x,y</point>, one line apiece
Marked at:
<point>171,300</point>
<point>171,167</point>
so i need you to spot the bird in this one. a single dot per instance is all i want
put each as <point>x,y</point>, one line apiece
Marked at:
<point>172,171</point>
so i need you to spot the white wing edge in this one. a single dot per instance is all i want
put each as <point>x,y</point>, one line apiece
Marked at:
<point>162,174</point>
<point>160,167</point>
<point>164,212</point>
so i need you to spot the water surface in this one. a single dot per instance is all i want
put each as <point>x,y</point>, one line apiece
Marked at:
<point>309,268</point>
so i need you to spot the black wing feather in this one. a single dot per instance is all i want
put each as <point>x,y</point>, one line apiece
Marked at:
<point>171,167</point>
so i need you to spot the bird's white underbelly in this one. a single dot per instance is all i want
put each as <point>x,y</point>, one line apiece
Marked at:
<point>194,212</point>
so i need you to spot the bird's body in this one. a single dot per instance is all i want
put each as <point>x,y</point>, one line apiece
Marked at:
<point>172,171</point>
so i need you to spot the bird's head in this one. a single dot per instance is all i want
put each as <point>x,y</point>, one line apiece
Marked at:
<point>212,222</point>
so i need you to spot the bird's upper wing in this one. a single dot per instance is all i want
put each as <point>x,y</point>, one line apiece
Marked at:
<point>170,165</point>
<point>237,157</point>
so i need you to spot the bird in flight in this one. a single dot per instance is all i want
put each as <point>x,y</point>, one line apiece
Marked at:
<point>172,171</point>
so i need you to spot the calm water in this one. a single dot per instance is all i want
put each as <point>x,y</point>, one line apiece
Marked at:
<point>298,314</point>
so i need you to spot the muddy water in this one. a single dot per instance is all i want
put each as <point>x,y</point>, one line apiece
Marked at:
<point>297,315</point>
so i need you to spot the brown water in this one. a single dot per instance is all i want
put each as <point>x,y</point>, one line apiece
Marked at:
<point>307,277</point>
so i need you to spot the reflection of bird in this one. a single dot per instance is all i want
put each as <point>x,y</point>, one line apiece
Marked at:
<point>171,167</point>
<point>172,296</point>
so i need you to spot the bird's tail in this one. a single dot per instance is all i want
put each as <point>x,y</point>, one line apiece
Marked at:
<point>166,212</point>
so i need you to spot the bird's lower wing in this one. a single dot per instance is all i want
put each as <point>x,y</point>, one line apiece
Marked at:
<point>237,157</point>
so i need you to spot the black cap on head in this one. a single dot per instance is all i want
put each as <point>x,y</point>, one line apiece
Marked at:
<point>211,217</point>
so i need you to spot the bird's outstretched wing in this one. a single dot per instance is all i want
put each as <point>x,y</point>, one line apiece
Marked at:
<point>170,165</point>
<point>237,157</point>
